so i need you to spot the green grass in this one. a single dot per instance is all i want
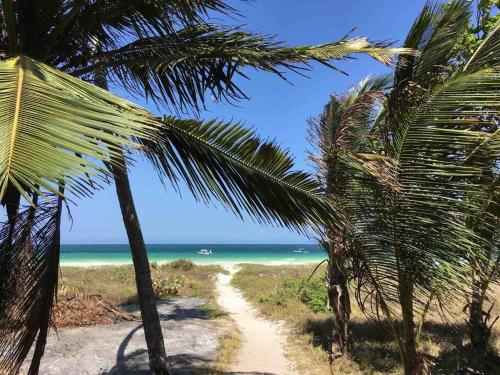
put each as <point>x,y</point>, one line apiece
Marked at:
<point>281,293</point>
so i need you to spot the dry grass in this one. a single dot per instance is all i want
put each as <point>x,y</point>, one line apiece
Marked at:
<point>374,353</point>
<point>227,351</point>
<point>116,284</point>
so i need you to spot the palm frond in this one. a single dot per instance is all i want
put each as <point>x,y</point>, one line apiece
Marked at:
<point>341,136</point>
<point>29,265</point>
<point>230,164</point>
<point>444,146</point>
<point>487,53</point>
<point>180,68</point>
<point>105,20</point>
<point>443,33</point>
<point>435,33</point>
<point>55,127</point>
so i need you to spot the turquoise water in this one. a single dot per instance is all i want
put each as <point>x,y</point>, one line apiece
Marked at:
<point>120,254</point>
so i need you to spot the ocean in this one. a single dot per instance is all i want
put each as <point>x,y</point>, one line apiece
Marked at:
<point>237,253</point>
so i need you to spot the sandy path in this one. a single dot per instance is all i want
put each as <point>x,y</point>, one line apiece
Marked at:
<point>262,346</point>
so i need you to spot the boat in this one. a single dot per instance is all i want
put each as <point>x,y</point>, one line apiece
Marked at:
<point>205,252</point>
<point>301,250</point>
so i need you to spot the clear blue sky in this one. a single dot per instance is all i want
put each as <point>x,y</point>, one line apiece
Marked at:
<point>276,109</point>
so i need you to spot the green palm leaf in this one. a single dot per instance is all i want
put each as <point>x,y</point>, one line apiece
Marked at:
<point>442,146</point>
<point>180,67</point>
<point>57,128</point>
<point>341,136</point>
<point>231,164</point>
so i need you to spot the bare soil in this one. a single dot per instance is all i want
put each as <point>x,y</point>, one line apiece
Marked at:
<point>190,338</point>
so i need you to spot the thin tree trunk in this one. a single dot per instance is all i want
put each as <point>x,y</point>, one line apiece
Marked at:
<point>479,331</point>
<point>413,361</point>
<point>149,312</point>
<point>338,299</point>
<point>147,301</point>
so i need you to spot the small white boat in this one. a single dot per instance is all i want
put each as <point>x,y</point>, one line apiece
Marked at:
<point>301,250</point>
<point>205,252</point>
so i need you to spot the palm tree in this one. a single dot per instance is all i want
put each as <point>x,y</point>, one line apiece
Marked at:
<point>485,222</point>
<point>162,50</point>
<point>341,154</point>
<point>410,238</point>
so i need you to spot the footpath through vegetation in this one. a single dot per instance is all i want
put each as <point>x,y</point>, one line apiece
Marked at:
<point>262,340</point>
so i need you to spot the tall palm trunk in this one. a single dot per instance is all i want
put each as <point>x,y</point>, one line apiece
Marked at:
<point>149,313</point>
<point>338,298</point>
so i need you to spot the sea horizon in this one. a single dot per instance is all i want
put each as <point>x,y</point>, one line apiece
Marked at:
<point>119,254</point>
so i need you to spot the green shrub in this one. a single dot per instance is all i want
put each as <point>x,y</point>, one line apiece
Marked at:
<point>266,298</point>
<point>312,293</point>
<point>183,264</point>
<point>280,298</point>
<point>315,294</point>
<point>168,286</point>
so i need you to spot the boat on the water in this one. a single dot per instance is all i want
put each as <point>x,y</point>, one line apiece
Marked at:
<point>205,252</point>
<point>301,250</point>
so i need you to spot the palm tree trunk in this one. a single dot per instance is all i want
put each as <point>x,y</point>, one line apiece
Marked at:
<point>338,299</point>
<point>479,331</point>
<point>149,312</point>
<point>413,362</point>
<point>147,301</point>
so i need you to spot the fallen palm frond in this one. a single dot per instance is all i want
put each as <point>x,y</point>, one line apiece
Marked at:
<point>87,310</point>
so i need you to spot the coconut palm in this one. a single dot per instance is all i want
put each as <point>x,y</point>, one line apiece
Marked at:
<point>485,222</point>
<point>162,50</point>
<point>341,154</point>
<point>409,237</point>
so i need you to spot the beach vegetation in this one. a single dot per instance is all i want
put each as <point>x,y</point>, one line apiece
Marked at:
<point>103,281</point>
<point>227,352</point>
<point>341,151</point>
<point>168,286</point>
<point>183,264</point>
<point>443,341</point>
<point>421,187</point>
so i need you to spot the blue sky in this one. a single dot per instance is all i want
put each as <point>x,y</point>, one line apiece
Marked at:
<point>276,110</point>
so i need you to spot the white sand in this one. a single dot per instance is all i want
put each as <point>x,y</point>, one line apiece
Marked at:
<point>263,340</point>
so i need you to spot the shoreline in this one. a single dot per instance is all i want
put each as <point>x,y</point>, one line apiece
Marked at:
<point>222,263</point>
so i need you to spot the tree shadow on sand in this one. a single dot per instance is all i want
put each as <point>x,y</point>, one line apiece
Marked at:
<point>136,362</point>
<point>375,349</point>
<point>170,309</point>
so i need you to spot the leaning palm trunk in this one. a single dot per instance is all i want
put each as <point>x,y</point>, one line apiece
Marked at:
<point>338,298</point>
<point>149,312</point>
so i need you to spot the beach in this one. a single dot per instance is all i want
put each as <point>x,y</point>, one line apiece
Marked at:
<point>221,254</point>
<point>250,318</point>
